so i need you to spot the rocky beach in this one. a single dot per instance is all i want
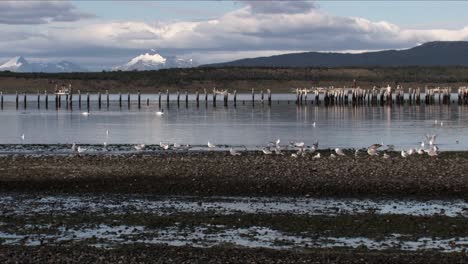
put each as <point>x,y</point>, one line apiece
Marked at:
<point>212,207</point>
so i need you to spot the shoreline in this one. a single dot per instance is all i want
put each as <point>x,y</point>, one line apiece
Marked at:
<point>211,173</point>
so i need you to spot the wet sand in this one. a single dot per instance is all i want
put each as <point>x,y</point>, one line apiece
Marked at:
<point>128,208</point>
<point>252,174</point>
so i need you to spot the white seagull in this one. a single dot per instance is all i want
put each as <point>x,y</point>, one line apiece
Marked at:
<point>160,113</point>
<point>332,156</point>
<point>339,152</point>
<point>317,156</point>
<point>139,147</point>
<point>294,155</point>
<point>234,152</point>
<point>299,144</point>
<point>404,154</point>
<point>211,145</point>
<point>386,156</point>
<point>85,113</point>
<point>22,137</point>
<point>420,151</point>
<point>164,146</point>
<point>81,150</point>
<point>73,147</point>
<point>267,151</point>
<point>107,132</point>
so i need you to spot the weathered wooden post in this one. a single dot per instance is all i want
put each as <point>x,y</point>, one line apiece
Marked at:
<point>186,98</point>
<point>178,98</point>
<point>25,101</point>
<point>120,99</point>
<point>38,100</point>
<point>1,93</point>
<point>128,100</point>
<point>197,98</point>
<point>66,101</point>
<point>139,99</point>
<point>235,98</point>
<point>214,97</point>
<point>79,99</point>
<point>167,97</point>
<point>253,96</point>
<point>226,94</point>
<point>99,99</point>
<point>107,99</point>
<point>159,99</point>
<point>261,96</point>
<point>147,101</point>
<point>206,97</point>
<point>87,101</point>
<point>269,96</point>
<point>46,99</point>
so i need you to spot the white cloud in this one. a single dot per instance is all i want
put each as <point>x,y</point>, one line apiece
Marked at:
<point>38,12</point>
<point>262,28</point>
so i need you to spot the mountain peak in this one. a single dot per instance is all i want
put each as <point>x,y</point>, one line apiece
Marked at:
<point>147,62</point>
<point>20,64</point>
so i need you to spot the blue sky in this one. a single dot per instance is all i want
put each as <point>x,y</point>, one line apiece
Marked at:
<point>101,34</point>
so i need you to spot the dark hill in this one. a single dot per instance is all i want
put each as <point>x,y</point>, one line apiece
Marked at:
<point>439,53</point>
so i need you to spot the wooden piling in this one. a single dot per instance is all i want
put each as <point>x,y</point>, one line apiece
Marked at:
<point>253,96</point>
<point>128,100</point>
<point>147,101</point>
<point>167,97</point>
<point>38,100</point>
<point>99,100</point>
<point>235,98</point>
<point>178,98</point>
<point>214,97</point>
<point>107,99</point>
<point>120,99</point>
<point>186,98</point>
<point>79,99</point>
<point>197,98</point>
<point>269,96</point>
<point>139,100</point>
<point>87,102</point>
<point>159,99</point>
<point>1,94</point>
<point>46,100</point>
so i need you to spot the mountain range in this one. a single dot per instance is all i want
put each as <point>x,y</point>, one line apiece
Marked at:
<point>438,53</point>
<point>147,62</point>
<point>20,64</point>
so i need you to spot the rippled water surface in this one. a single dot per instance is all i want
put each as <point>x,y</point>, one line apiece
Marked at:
<point>252,126</point>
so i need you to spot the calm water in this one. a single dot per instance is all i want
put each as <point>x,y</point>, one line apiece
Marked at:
<point>346,126</point>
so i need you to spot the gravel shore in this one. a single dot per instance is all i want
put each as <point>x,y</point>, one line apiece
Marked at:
<point>252,174</point>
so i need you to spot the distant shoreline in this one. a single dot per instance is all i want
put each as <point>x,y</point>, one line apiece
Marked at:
<point>242,79</point>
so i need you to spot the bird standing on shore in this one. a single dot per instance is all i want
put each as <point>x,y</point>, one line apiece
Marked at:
<point>211,145</point>
<point>404,154</point>
<point>386,156</point>
<point>234,152</point>
<point>139,147</point>
<point>81,150</point>
<point>339,152</point>
<point>267,151</point>
<point>332,156</point>
<point>164,146</point>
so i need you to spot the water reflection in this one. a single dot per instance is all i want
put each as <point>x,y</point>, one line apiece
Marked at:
<point>336,126</point>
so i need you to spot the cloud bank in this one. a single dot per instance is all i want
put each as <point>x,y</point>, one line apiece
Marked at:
<point>256,27</point>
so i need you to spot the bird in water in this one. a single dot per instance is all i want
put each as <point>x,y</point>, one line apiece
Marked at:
<point>22,137</point>
<point>160,113</point>
<point>233,152</point>
<point>85,113</point>
<point>81,150</point>
<point>164,146</point>
<point>107,132</point>
<point>339,152</point>
<point>313,124</point>
<point>139,147</point>
<point>211,145</point>
<point>317,156</point>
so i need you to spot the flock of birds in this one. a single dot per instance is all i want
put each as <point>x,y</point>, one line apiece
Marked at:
<point>299,149</point>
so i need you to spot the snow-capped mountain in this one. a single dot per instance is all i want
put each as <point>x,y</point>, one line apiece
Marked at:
<point>20,64</point>
<point>146,62</point>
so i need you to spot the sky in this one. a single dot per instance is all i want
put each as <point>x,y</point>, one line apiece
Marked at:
<point>101,34</point>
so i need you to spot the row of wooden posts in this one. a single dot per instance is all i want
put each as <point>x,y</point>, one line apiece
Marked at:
<point>330,97</point>
<point>69,99</point>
